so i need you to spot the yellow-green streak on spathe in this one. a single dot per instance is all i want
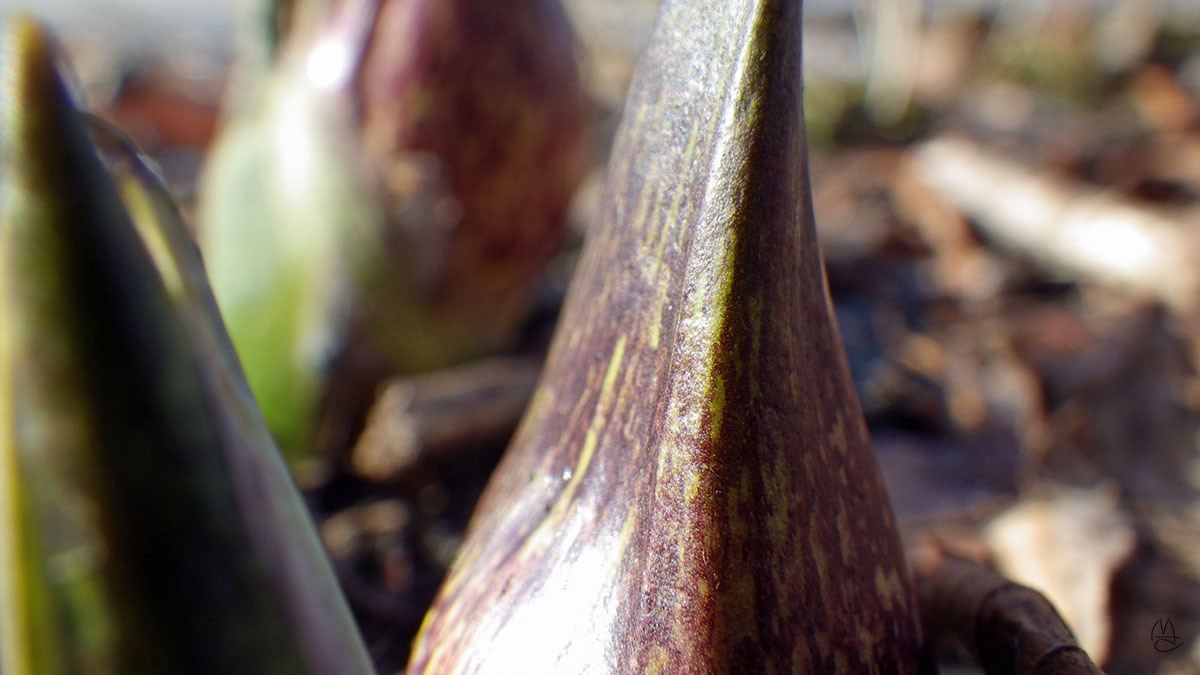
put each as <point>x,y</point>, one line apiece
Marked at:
<point>889,586</point>
<point>12,582</point>
<point>698,395</point>
<point>670,220</point>
<point>657,660</point>
<point>736,152</point>
<point>52,557</point>
<point>603,405</point>
<point>24,599</point>
<point>723,209</point>
<point>704,343</point>
<point>143,213</point>
<point>562,510</point>
<point>672,215</point>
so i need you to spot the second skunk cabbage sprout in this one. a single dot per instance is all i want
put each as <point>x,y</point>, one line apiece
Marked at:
<point>282,219</point>
<point>147,521</point>
<point>390,189</point>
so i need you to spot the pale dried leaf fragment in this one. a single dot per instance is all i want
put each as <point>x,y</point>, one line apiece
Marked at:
<point>1067,544</point>
<point>1078,232</point>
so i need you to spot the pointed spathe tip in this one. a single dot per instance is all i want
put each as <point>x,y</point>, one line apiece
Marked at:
<point>23,40</point>
<point>27,63</point>
<point>37,109</point>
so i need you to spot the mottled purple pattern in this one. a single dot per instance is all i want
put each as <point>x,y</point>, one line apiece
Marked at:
<point>696,433</point>
<point>491,90</point>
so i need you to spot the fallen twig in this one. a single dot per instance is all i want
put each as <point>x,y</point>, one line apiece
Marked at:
<point>441,414</point>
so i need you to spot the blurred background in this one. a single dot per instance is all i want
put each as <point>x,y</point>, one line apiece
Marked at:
<point>1008,196</point>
